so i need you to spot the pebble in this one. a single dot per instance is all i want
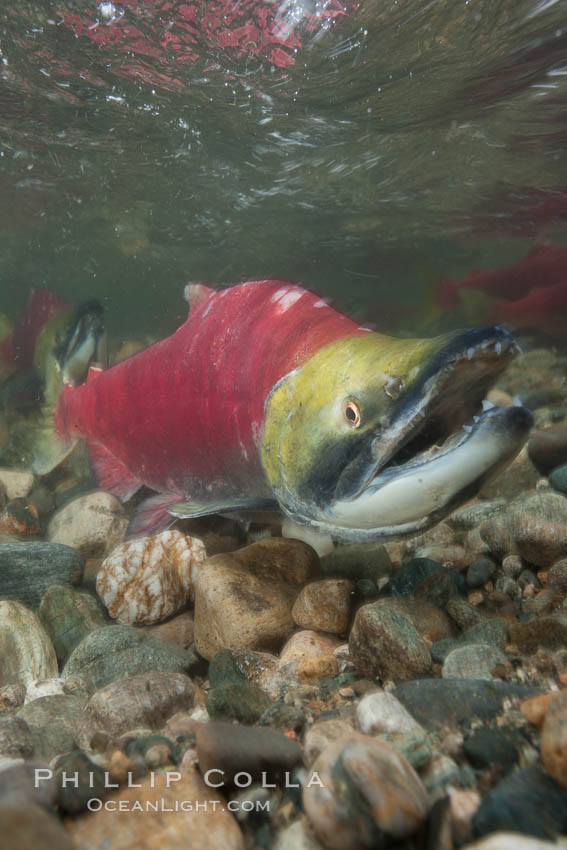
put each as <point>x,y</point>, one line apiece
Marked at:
<point>558,478</point>
<point>473,661</point>
<point>479,572</point>
<point>28,570</point>
<point>428,580</point>
<point>244,599</point>
<point>94,524</point>
<point>68,616</point>
<point>512,565</point>
<point>51,721</point>
<point>463,805</point>
<point>16,482</point>
<point>384,642</point>
<point>486,748</point>
<point>111,652</point>
<point>544,631</point>
<point>324,606</point>
<point>472,515</point>
<point>194,822</point>
<point>534,709</point>
<point>20,518</point>
<point>12,696</point>
<point>534,527</point>
<point>88,780</point>
<point>313,654</point>
<point>234,749</point>
<point>554,738</point>
<point>20,786</point>
<point>380,712</point>
<point>26,652</point>
<point>240,701</point>
<point>231,665</point>
<point>492,630</point>
<point>322,733</point>
<point>149,579</point>
<point>526,801</point>
<point>179,630</point>
<point>15,738</point>
<point>370,795</point>
<point>436,703</point>
<point>557,577</point>
<point>143,700</point>
<point>31,828</point>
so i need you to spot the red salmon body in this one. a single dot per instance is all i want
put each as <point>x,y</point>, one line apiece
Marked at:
<point>184,417</point>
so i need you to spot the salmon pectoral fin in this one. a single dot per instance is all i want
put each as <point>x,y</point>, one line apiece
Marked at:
<point>110,473</point>
<point>152,515</point>
<point>196,508</point>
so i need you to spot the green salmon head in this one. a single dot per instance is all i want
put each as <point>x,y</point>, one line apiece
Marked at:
<point>369,438</point>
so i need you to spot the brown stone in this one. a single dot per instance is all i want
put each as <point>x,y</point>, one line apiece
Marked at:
<point>178,630</point>
<point>29,827</point>
<point>534,709</point>
<point>244,599</point>
<point>232,749</point>
<point>146,700</point>
<point>550,632</point>
<point>554,738</point>
<point>313,653</point>
<point>324,605</point>
<point>128,820</point>
<point>370,795</point>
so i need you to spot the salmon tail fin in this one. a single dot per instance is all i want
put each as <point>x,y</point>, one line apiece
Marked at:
<point>49,448</point>
<point>64,355</point>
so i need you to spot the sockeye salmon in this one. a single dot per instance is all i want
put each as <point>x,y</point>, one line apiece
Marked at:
<point>267,397</point>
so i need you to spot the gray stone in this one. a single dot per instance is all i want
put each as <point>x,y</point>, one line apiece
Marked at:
<point>27,570</point>
<point>384,642</point>
<point>51,722</point>
<point>473,661</point>
<point>68,616</point>
<point>436,703</point>
<point>15,738</point>
<point>234,748</point>
<point>111,652</point>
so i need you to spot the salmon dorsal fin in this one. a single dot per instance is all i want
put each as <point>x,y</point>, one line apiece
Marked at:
<point>197,293</point>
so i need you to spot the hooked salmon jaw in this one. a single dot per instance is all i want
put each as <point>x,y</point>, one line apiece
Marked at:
<point>441,443</point>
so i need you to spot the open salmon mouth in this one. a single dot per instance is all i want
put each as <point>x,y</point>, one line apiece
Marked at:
<point>443,441</point>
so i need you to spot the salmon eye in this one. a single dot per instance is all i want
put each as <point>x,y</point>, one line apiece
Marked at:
<point>352,413</point>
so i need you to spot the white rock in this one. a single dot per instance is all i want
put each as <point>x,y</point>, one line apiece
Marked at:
<point>513,841</point>
<point>43,688</point>
<point>381,713</point>
<point>94,524</point>
<point>18,482</point>
<point>149,579</point>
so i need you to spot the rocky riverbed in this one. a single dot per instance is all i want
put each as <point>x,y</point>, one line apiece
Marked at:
<point>216,686</point>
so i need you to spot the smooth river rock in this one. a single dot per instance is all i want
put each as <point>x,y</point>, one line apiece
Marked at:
<point>244,599</point>
<point>28,570</point>
<point>369,796</point>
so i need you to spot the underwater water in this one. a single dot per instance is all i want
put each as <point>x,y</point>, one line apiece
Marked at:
<point>368,150</point>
